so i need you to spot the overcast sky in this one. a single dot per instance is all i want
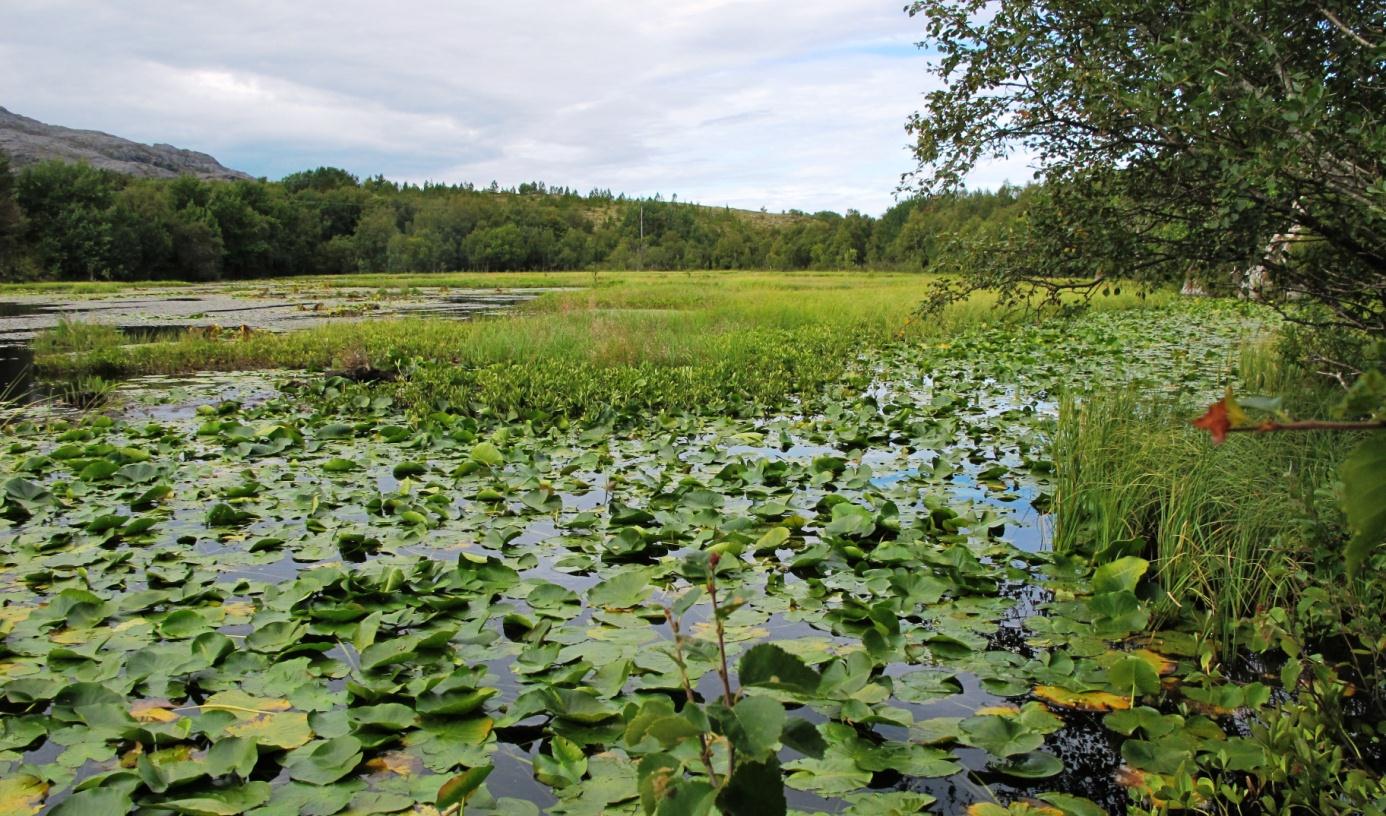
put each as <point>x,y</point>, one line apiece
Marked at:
<point>748,103</point>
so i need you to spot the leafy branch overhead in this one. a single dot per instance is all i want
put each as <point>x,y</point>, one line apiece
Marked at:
<point>1363,473</point>
<point>1237,142</point>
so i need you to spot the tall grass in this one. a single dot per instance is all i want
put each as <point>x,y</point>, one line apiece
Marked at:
<point>1229,529</point>
<point>712,340</point>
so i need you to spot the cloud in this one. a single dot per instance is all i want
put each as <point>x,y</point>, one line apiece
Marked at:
<point>743,102</point>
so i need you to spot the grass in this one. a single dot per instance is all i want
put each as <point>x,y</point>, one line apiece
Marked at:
<point>1229,529</point>
<point>716,340</point>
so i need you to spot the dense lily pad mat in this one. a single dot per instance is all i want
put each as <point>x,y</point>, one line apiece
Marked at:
<point>310,604</point>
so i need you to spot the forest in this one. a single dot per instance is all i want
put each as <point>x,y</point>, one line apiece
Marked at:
<point>63,221</point>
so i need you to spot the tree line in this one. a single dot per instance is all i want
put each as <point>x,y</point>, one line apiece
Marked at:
<point>61,221</point>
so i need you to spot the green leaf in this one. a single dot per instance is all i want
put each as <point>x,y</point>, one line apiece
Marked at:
<point>1133,676</point>
<point>888,803</point>
<point>769,666</point>
<point>21,794</point>
<point>485,453</point>
<point>456,791</point>
<point>1121,574</point>
<point>324,762</point>
<point>754,787</point>
<point>406,470</point>
<point>1001,736</point>
<point>339,465</point>
<point>565,764</point>
<point>688,798</point>
<point>833,775</point>
<point>760,721</point>
<point>621,591</point>
<point>1032,765</point>
<point>386,716</point>
<point>221,802</point>
<point>804,737</point>
<point>1364,499</point>
<point>1073,805</point>
<point>94,802</point>
<point>236,754</point>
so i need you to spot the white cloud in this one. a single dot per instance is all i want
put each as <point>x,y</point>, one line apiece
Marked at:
<point>745,102</point>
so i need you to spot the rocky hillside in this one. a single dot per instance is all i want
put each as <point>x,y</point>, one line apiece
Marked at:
<point>29,141</point>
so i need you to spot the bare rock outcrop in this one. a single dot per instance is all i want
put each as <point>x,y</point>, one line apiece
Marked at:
<point>29,141</point>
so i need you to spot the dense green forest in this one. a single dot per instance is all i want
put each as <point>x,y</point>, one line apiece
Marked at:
<point>75,222</point>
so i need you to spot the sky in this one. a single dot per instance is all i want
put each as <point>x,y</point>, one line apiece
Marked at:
<point>745,103</point>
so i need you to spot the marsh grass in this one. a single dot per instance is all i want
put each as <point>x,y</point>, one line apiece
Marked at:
<point>1229,529</point>
<point>76,337</point>
<point>710,340</point>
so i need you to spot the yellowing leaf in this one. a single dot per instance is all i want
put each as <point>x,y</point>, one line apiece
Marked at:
<point>238,609</point>
<point>287,730</point>
<point>399,763</point>
<point>1083,701</point>
<point>14,614</point>
<point>152,711</point>
<point>999,711</point>
<point>1016,809</point>
<point>1161,664</point>
<point>22,795</point>
<point>243,705</point>
<point>267,722</point>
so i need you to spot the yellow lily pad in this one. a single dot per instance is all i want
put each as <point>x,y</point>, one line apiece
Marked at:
<point>22,795</point>
<point>1083,700</point>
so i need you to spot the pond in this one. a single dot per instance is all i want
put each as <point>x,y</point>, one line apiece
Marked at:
<point>270,593</point>
<point>151,314</point>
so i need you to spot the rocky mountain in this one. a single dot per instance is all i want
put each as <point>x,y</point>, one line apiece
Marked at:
<point>29,141</point>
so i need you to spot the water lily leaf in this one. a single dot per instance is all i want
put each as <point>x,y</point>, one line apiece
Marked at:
<point>98,470</point>
<point>771,540</point>
<point>112,801</point>
<point>1084,700</point>
<point>833,775</point>
<point>339,465</point>
<point>324,762</point>
<point>485,453</point>
<point>138,473</point>
<point>622,590</point>
<point>579,705</point>
<point>408,470</point>
<point>224,515</point>
<point>1070,805</point>
<point>1032,765</point>
<point>888,803</point>
<point>267,722</point>
<point>20,488</point>
<point>1133,675</point>
<point>457,790</point>
<point>926,686</point>
<point>386,716</point>
<point>1000,736</point>
<point>769,666</point>
<point>22,795</point>
<point>565,765</point>
<point>1121,574</point>
<point>220,802</point>
<point>232,754</point>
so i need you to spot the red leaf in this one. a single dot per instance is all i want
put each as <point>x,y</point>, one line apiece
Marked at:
<point>1216,421</point>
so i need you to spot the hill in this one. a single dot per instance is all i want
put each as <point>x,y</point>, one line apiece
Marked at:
<point>29,141</point>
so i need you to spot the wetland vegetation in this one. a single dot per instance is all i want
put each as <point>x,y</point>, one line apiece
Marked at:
<point>961,509</point>
<point>667,540</point>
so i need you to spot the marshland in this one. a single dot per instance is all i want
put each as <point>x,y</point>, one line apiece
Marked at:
<point>336,494</point>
